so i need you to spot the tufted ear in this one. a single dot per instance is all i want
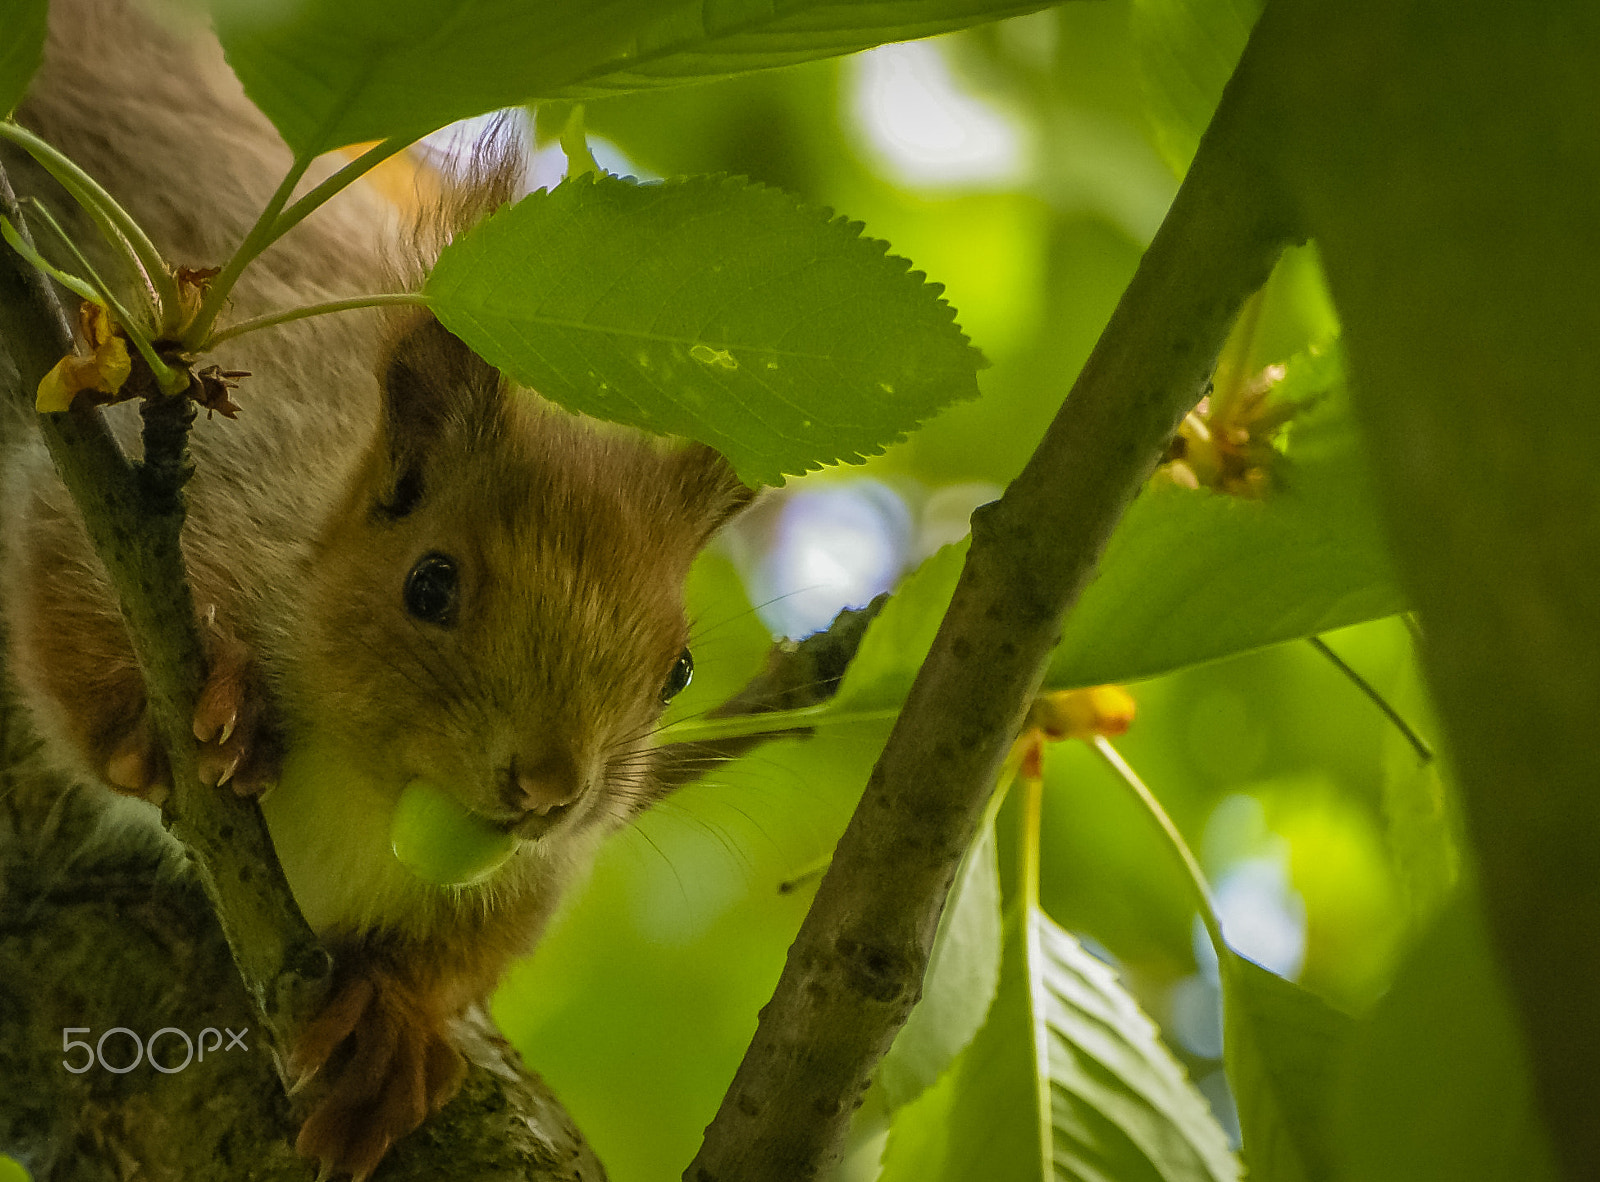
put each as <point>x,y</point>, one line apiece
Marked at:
<point>430,381</point>
<point>712,494</point>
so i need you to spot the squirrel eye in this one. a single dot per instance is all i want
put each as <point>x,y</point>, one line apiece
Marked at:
<point>680,677</point>
<point>431,589</point>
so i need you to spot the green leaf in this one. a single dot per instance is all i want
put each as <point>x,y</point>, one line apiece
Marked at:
<point>335,72</point>
<point>963,974</point>
<point>712,308</point>
<point>1066,1080</point>
<point>1420,810</point>
<point>22,31</point>
<point>1192,576</point>
<point>695,42</point>
<point>1438,1088</point>
<point>898,640</point>
<point>1187,50</point>
<point>1282,1047</point>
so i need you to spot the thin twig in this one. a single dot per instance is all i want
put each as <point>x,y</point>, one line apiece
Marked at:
<point>1199,889</point>
<point>1418,743</point>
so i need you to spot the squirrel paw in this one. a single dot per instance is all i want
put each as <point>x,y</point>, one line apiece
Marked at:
<point>136,764</point>
<point>235,747</point>
<point>388,1065</point>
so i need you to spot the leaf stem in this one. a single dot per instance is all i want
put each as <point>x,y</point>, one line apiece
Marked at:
<point>78,287</point>
<point>384,300</point>
<point>1199,889</point>
<point>92,277</point>
<point>276,221</point>
<point>256,240</point>
<point>346,176</point>
<point>705,730</point>
<point>1028,826</point>
<point>1418,743</point>
<point>170,379</point>
<point>118,226</point>
<point>1028,905</point>
<point>575,144</point>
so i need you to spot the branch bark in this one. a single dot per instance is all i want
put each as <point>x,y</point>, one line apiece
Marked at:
<point>855,970</point>
<point>92,943</point>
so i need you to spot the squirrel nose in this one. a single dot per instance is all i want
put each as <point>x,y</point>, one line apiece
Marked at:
<point>544,786</point>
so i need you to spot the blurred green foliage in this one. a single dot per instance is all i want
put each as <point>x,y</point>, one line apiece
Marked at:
<point>1437,1088</point>
<point>24,22</point>
<point>639,1004</point>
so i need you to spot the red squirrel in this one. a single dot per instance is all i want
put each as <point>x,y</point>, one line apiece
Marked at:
<point>399,560</point>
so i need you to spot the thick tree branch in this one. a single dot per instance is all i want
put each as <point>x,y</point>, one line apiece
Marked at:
<point>855,969</point>
<point>94,940</point>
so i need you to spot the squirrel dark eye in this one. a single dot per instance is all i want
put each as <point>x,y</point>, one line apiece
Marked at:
<point>680,677</point>
<point>431,589</point>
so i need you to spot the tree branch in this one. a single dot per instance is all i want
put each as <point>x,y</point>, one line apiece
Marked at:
<point>855,970</point>
<point>93,941</point>
<point>797,674</point>
<point>134,517</point>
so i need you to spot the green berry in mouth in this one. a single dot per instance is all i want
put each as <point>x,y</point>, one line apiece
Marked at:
<point>441,841</point>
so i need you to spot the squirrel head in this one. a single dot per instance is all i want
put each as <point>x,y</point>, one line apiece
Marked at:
<point>497,605</point>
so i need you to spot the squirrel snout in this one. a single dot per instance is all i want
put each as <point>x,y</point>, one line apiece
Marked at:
<point>543,789</point>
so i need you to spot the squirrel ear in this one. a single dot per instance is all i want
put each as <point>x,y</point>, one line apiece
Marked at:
<point>711,492</point>
<point>430,381</point>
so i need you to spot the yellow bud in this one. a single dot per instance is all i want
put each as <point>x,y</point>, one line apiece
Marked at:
<point>1105,710</point>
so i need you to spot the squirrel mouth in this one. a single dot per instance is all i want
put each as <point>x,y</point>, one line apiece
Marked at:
<point>533,825</point>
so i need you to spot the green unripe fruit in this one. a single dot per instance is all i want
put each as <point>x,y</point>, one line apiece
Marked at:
<point>440,841</point>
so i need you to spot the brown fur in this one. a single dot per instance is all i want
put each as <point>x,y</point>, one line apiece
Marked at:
<point>364,444</point>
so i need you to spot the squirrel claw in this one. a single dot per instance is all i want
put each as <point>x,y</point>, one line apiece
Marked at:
<point>382,1052</point>
<point>234,747</point>
<point>208,728</point>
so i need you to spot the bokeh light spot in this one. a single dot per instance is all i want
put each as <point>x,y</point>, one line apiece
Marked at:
<point>925,130</point>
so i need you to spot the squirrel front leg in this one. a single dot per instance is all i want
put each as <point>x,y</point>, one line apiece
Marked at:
<point>78,672</point>
<point>381,1049</point>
